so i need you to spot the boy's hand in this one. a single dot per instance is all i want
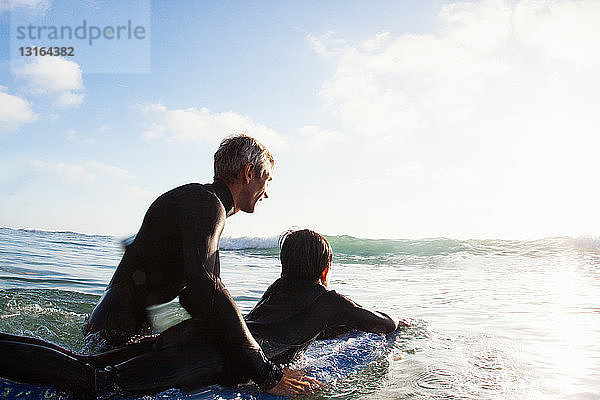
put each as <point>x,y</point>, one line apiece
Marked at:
<point>402,323</point>
<point>294,383</point>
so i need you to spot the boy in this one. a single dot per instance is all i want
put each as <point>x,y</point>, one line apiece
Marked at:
<point>297,307</point>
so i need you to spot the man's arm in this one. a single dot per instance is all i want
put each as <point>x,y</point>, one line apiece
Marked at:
<point>205,297</point>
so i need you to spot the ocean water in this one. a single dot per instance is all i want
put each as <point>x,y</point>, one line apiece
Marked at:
<point>490,319</point>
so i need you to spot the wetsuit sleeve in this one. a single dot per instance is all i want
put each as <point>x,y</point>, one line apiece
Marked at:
<point>352,315</point>
<point>206,298</point>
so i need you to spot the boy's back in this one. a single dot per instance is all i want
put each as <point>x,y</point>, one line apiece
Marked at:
<point>294,312</point>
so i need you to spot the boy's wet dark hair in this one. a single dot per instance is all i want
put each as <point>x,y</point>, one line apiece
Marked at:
<point>304,254</point>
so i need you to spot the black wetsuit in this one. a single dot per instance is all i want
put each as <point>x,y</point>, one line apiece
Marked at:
<point>290,315</point>
<point>176,253</point>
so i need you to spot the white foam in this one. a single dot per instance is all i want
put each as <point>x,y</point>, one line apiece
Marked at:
<point>233,243</point>
<point>587,243</point>
<point>245,242</point>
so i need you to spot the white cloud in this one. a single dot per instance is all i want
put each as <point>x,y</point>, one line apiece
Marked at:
<point>410,171</point>
<point>55,77</point>
<point>81,173</point>
<point>106,128</point>
<point>140,193</point>
<point>327,44</point>
<point>72,134</point>
<point>39,6</point>
<point>478,28</point>
<point>110,170</point>
<point>14,111</point>
<point>377,42</point>
<point>489,59</point>
<point>68,99</point>
<point>564,31</point>
<point>202,125</point>
<point>72,173</point>
<point>317,138</point>
<point>461,119</point>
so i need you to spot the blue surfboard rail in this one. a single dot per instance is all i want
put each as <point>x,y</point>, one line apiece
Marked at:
<point>329,361</point>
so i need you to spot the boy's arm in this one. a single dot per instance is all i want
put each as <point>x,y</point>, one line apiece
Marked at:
<point>333,332</point>
<point>356,317</point>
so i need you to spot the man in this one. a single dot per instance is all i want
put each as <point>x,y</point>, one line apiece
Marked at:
<point>176,253</point>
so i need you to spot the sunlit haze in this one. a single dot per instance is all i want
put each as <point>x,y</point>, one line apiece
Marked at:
<point>392,119</point>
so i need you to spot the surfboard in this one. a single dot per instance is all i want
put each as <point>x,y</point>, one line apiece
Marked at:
<point>330,361</point>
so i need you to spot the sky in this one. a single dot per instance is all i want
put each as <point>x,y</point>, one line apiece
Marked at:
<point>389,119</point>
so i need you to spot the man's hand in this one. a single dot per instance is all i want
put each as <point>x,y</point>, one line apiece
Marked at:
<point>294,383</point>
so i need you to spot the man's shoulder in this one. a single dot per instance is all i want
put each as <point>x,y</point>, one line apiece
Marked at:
<point>192,188</point>
<point>190,199</point>
<point>189,191</point>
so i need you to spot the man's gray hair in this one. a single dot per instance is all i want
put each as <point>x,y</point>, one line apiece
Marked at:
<point>237,151</point>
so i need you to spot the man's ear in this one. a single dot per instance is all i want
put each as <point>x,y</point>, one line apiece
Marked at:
<point>248,172</point>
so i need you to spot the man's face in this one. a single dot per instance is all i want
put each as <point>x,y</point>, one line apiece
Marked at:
<point>258,188</point>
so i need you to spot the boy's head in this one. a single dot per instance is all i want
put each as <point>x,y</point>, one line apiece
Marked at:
<point>305,255</point>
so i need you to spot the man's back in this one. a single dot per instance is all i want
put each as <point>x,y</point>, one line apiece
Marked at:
<point>154,268</point>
